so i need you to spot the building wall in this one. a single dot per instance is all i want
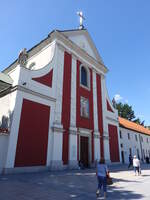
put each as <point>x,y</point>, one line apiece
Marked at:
<point>133,143</point>
<point>3,150</point>
<point>62,96</point>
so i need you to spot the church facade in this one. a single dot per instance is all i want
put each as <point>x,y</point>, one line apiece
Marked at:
<point>56,110</point>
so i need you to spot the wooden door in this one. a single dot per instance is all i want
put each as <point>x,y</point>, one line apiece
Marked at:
<point>84,151</point>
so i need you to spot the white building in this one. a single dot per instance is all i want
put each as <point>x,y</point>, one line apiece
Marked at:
<point>55,108</point>
<point>134,139</point>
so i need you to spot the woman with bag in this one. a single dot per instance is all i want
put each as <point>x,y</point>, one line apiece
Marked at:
<point>102,172</point>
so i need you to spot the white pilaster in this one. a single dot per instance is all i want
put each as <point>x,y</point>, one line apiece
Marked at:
<point>105,124</point>
<point>96,133</point>
<point>14,132</point>
<point>57,126</point>
<point>73,131</point>
<point>59,83</point>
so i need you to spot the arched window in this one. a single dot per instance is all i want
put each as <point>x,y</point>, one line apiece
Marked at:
<point>84,76</point>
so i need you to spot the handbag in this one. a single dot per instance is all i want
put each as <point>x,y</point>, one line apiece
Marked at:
<point>109,179</point>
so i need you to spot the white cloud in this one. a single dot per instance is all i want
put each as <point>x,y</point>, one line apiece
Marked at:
<point>117,97</point>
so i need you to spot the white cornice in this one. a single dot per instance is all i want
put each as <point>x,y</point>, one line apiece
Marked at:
<point>68,45</point>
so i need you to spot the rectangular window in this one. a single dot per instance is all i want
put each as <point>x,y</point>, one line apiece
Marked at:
<point>130,151</point>
<point>147,140</point>
<point>136,138</point>
<point>84,107</point>
<point>120,134</point>
<point>143,153</point>
<point>141,139</point>
<point>138,154</point>
<point>121,145</point>
<point>128,136</point>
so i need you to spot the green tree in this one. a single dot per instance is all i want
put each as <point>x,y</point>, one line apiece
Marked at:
<point>125,111</point>
<point>138,121</point>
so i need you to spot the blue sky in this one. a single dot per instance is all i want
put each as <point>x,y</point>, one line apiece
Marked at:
<point>119,29</point>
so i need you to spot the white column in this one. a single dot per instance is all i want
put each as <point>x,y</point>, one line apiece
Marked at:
<point>105,122</point>
<point>73,130</point>
<point>59,72</point>
<point>96,132</point>
<point>57,126</point>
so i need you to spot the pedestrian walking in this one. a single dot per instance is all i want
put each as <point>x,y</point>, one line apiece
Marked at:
<point>101,173</point>
<point>130,161</point>
<point>136,165</point>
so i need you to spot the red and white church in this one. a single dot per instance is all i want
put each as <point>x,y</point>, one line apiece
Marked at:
<point>54,106</point>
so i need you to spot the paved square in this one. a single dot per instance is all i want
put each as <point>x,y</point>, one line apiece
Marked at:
<point>74,185</point>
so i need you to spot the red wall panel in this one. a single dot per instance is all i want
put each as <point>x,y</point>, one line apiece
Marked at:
<point>83,122</point>
<point>113,143</point>
<point>66,104</point>
<point>108,106</point>
<point>33,134</point>
<point>100,113</point>
<point>46,79</point>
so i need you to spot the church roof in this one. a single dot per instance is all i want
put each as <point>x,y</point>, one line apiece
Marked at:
<point>133,126</point>
<point>5,82</point>
<point>69,35</point>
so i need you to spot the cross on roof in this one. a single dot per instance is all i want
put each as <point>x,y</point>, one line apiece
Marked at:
<point>81,19</point>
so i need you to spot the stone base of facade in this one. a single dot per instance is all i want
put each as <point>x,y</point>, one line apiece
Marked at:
<point>57,165</point>
<point>18,170</point>
<point>73,164</point>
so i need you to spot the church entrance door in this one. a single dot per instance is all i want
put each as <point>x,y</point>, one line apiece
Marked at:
<point>84,150</point>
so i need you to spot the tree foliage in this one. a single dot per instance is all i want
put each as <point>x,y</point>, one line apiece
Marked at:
<point>138,121</point>
<point>125,111</point>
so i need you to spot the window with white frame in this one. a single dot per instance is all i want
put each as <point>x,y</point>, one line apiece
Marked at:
<point>84,76</point>
<point>136,138</point>
<point>120,134</point>
<point>84,107</point>
<point>138,154</point>
<point>128,136</point>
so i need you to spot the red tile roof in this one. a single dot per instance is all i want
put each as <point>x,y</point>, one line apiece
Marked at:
<point>133,126</point>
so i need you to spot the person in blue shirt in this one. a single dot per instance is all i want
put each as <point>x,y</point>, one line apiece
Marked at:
<point>102,172</point>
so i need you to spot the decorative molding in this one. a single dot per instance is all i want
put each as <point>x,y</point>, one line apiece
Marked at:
<point>112,119</point>
<point>73,130</point>
<point>97,136</point>
<point>84,131</point>
<point>24,89</point>
<point>57,128</point>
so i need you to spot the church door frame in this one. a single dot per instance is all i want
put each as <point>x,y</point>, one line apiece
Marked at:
<point>86,133</point>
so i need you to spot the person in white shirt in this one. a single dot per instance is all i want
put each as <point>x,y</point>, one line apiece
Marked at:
<point>136,165</point>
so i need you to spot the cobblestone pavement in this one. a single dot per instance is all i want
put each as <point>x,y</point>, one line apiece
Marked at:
<point>74,185</point>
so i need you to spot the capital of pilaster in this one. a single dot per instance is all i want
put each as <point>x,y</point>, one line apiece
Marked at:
<point>57,127</point>
<point>73,130</point>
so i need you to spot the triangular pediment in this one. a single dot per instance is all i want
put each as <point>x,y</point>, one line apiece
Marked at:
<point>84,41</point>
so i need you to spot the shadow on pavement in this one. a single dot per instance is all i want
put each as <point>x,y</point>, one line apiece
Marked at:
<point>121,193</point>
<point>76,185</point>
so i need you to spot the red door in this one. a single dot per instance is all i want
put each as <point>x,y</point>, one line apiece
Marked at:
<point>113,143</point>
<point>84,155</point>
